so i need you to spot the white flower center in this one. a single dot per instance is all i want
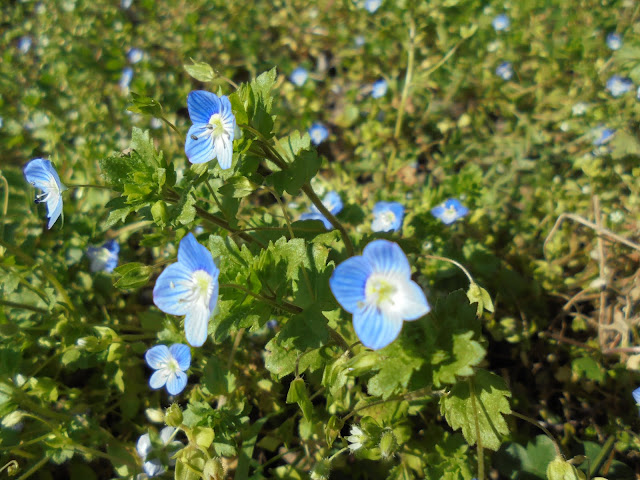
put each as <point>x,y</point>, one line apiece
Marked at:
<point>99,259</point>
<point>200,289</point>
<point>316,135</point>
<point>172,366</point>
<point>449,214</point>
<point>379,291</point>
<point>49,190</point>
<point>216,125</point>
<point>386,219</point>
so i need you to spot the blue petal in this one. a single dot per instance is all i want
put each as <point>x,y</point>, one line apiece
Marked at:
<point>214,295</point>
<point>199,145</point>
<point>438,211</point>
<point>348,282</point>
<point>223,151</point>
<point>54,212</point>
<point>143,447</point>
<point>172,286</point>
<point>181,354</point>
<point>165,434</point>
<point>409,302</point>
<point>196,324</point>
<point>196,256</point>
<point>636,395</point>
<point>387,257</point>
<point>112,246</point>
<point>153,467</point>
<point>176,383</point>
<point>202,105</point>
<point>333,202</point>
<point>228,118</point>
<point>159,378</point>
<point>157,357</point>
<point>375,330</point>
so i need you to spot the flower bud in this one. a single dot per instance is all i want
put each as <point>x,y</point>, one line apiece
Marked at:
<point>321,470</point>
<point>388,444</point>
<point>173,416</point>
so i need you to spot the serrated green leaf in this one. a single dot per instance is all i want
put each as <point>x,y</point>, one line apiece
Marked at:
<point>159,213</point>
<point>477,294</point>
<point>145,105</point>
<point>190,464</point>
<point>119,215</point>
<point>132,275</point>
<point>201,71</point>
<point>465,354</point>
<point>396,363</point>
<point>477,407</point>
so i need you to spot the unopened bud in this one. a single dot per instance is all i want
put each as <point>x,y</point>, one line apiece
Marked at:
<point>388,444</point>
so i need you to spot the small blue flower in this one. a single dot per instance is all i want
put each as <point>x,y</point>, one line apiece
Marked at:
<point>24,44</point>
<point>359,40</point>
<point>614,41</point>
<point>144,448</point>
<point>332,202</point>
<point>104,258</point>
<point>169,365</point>
<point>379,88</point>
<point>501,22</point>
<point>41,174</point>
<point>505,71</point>
<point>125,4</point>
<point>377,289</point>
<point>126,77</point>
<point>636,395</point>
<point>155,123</point>
<point>299,76</point>
<point>211,135</point>
<point>372,5</point>
<point>449,211</point>
<point>134,55</point>
<point>602,136</point>
<point>318,133</point>
<point>387,216</point>
<point>617,85</point>
<point>189,287</point>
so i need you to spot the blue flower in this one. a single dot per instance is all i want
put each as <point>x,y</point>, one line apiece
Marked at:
<point>505,71</point>
<point>134,55</point>
<point>372,5</point>
<point>379,88</point>
<point>211,135</point>
<point>125,4</point>
<point>169,365</point>
<point>126,77</point>
<point>501,22</point>
<point>332,202</point>
<point>318,133</point>
<point>602,136</point>
<point>617,85</point>
<point>299,76</point>
<point>449,211</point>
<point>144,448</point>
<point>24,44</point>
<point>359,40</point>
<point>41,174</point>
<point>377,289</point>
<point>614,41</point>
<point>636,395</point>
<point>189,287</point>
<point>104,258</point>
<point>387,216</point>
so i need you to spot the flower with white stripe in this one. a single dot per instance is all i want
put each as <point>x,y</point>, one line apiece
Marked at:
<point>387,216</point>
<point>211,135</point>
<point>189,287</point>
<point>377,289</point>
<point>449,211</point>
<point>41,174</point>
<point>170,365</point>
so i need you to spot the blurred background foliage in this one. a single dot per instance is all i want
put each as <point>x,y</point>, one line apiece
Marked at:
<point>519,153</point>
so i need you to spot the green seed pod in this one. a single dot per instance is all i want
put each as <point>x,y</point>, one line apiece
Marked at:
<point>173,416</point>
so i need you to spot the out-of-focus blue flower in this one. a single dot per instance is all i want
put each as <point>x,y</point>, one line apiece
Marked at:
<point>1,122</point>
<point>134,55</point>
<point>501,22</point>
<point>377,289</point>
<point>104,258</point>
<point>617,85</point>
<point>449,211</point>
<point>144,448</point>
<point>126,77</point>
<point>211,135</point>
<point>24,44</point>
<point>379,88</point>
<point>125,4</point>
<point>636,395</point>
<point>189,287</point>
<point>155,123</point>
<point>332,202</point>
<point>614,41</point>
<point>387,216</point>
<point>602,135</point>
<point>578,109</point>
<point>169,365</point>
<point>41,174</point>
<point>505,70</point>
<point>272,324</point>
<point>372,5</point>
<point>299,76</point>
<point>359,40</point>
<point>637,97</point>
<point>318,133</point>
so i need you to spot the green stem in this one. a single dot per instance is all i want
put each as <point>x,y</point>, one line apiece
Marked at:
<point>478,436</point>
<point>5,206</point>
<point>308,190</point>
<point>602,456</point>
<point>37,466</point>
<point>171,125</point>
<point>535,423</point>
<point>22,306</point>
<point>338,453</point>
<point>445,259</point>
<point>215,197</point>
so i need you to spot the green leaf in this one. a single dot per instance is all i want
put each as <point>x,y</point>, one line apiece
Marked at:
<point>190,464</point>
<point>466,354</point>
<point>249,438</point>
<point>159,213</point>
<point>145,105</point>
<point>201,71</point>
<point>514,459</point>
<point>478,411</point>
<point>396,364</point>
<point>589,368</point>
<point>477,294</point>
<point>132,275</point>
<point>560,469</point>
<point>300,171</point>
<point>217,380</point>
<point>123,462</point>
<point>119,215</point>
<point>298,394</point>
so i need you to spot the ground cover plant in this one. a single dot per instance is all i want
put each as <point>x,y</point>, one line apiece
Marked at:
<point>342,239</point>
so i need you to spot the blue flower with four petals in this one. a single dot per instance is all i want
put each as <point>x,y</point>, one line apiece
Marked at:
<point>318,133</point>
<point>189,287</point>
<point>614,41</point>
<point>169,365</point>
<point>617,85</point>
<point>332,202</point>
<point>387,216</point>
<point>505,71</point>
<point>501,22</point>
<point>377,289</point>
<point>299,76</point>
<point>449,211</point>
<point>104,258</point>
<point>211,135</point>
<point>41,174</point>
<point>379,88</point>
